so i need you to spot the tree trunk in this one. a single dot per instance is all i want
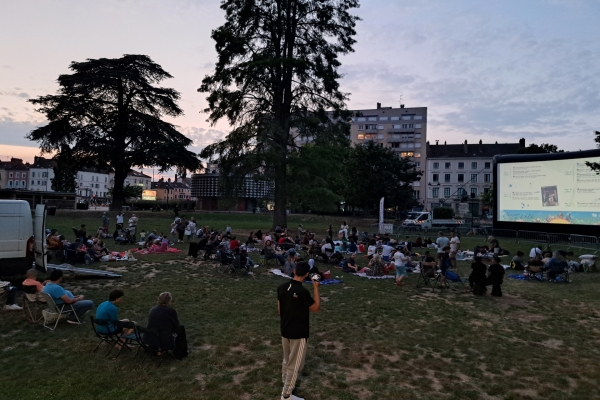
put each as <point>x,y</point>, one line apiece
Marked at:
<point>279,214</point>
<point>118,200</point>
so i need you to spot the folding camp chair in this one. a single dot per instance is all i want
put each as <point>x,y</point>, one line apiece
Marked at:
<point>455,282</point>
<point>139,333</point>
<point>33,304</point>
<point>112,339</point>
<point>55,312</point>
<point>428,277</point>
<point>225,261</point>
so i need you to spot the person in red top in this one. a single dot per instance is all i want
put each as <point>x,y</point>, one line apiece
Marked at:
<point>234,243</point>
<point>281,240</point>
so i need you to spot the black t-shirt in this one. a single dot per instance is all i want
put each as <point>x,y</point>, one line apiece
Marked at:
<point>479,269</point>
<point>496,273</point>
<point>294,303</point>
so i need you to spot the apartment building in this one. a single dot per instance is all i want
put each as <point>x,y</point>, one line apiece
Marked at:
<point>402,129</point>
<point>14,174</point>
<point>167,190</point>
<point>458,174</point>
<point>41,173</point>
<point>92,183</point>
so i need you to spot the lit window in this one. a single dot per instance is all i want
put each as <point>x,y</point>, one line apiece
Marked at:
<point>407,154</point>
<point>418,155</point>
<point>361,136</point>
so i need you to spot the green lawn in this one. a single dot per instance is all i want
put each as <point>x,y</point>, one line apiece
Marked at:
<point>371,339</point>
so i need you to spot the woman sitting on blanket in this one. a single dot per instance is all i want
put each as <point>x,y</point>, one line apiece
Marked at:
<point>375,266</point>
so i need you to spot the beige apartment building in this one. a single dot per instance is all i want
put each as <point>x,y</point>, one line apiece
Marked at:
<point>402,129</point>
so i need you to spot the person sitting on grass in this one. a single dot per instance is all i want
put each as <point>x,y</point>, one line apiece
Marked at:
<point>350,264</point>
<point>557,264</point>
<point>108,312</point>
<point>477,278</point>
<point>495,276</point>
<point>62,296</point>
<point>517,262</point>
<point>375,266</point>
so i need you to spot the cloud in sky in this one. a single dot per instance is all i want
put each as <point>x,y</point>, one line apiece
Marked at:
<point>495,70</point>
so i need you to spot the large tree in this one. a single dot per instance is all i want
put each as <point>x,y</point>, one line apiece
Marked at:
<point>107,114</point>
<point>276,75</point>
<point>594,165</point>
<point>372,172</point>
<point>64,172</point>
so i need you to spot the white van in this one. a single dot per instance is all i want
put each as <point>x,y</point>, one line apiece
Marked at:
<point>19,247</point>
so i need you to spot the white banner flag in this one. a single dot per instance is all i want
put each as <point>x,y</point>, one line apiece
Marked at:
<point>381,210</point>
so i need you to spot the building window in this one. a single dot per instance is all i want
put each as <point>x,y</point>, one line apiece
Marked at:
<point>474,193</point>
<point>416,184</point>
<point>44,174</point>
<point>32,183</point>
<point>379,127</point>
<point>417,194</point>
<point>417,144</point>
<point>417,155</point>
<point>360,136</point>
<point>461,177</point>
<point>370,126</point>
<point>361,127</point>
<point>23,184</point>
<point>487,178</point>
<point>461,165</point>
<point>417,136</point>
<point>447,165</point>
<point>473,177</point>
<point>473,165</point>
<point>487,165</point>
<point>396,126</point>
<point>446,192</point>
<point>361,119</point>
<point>447,178</point>
<point>486,190</point>
<point>394,118</point>
<point>383,118</point>
<point>418,164</point>
<point>435,178</point>
<point>407,154</point>
<point>10,174</point>
<point>435,192</point>
<point>33,174</point>
<point>380,136</point>
<point>406,118</point>
<point>418,117</point>
<point>417,125</point>
<point>395,145</point>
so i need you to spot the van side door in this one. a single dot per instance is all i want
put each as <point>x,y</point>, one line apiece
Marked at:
<point>39,232</point>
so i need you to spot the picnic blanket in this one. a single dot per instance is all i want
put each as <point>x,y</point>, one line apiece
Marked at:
<point>364,275</point>
<point>156,250</point>
<point>323,282</point>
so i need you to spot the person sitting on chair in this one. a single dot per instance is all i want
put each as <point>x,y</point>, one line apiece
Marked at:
<point>31,280</point>
<point>495,276</point>
<point>164,321</point>
<point>109,312</point>
<point>428,264</point>
<point>269,252</point>
<point>62,296</point>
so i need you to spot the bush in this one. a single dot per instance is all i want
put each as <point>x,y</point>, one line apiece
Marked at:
<point>443,213</point>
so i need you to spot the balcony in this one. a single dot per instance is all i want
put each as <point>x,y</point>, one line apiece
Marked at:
<point>402,130</point>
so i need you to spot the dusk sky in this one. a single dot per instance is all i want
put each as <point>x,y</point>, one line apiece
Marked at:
<point>490,70</point>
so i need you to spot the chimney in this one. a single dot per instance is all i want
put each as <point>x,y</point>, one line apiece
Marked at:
<point>378,106</point>
<point>401,105</point>
<point>436,142</point>
<point>427,146</point>
<point>480,146</point>
<point>466,147</point>
<point>16,161</point>
<point>175,178</point>
<point>161,180</point>
<point>522,143</point>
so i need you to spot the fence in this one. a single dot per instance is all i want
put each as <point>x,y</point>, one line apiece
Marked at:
<point>541,238</point>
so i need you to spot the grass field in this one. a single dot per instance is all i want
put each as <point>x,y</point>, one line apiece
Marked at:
<point>371,339</point>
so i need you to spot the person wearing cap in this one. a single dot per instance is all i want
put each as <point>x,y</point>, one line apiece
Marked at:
<point>294,304</point>
<point>105,222</point>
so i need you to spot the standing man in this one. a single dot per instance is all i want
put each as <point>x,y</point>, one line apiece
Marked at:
<point>454,247</point>
<point>293,304</point>
<point>119,220</point>
<point>105,222</point>
<point>133,221</point>
<point>441,242</point>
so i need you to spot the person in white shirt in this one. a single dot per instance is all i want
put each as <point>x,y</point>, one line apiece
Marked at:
<point>133,221</point>
<point>119,220</point>
<point>534,252</point>
<point>372,249</point>
<point>400,264</point>
<point>386,252</point>
<point>441,242</point>
<point>454,247</point>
